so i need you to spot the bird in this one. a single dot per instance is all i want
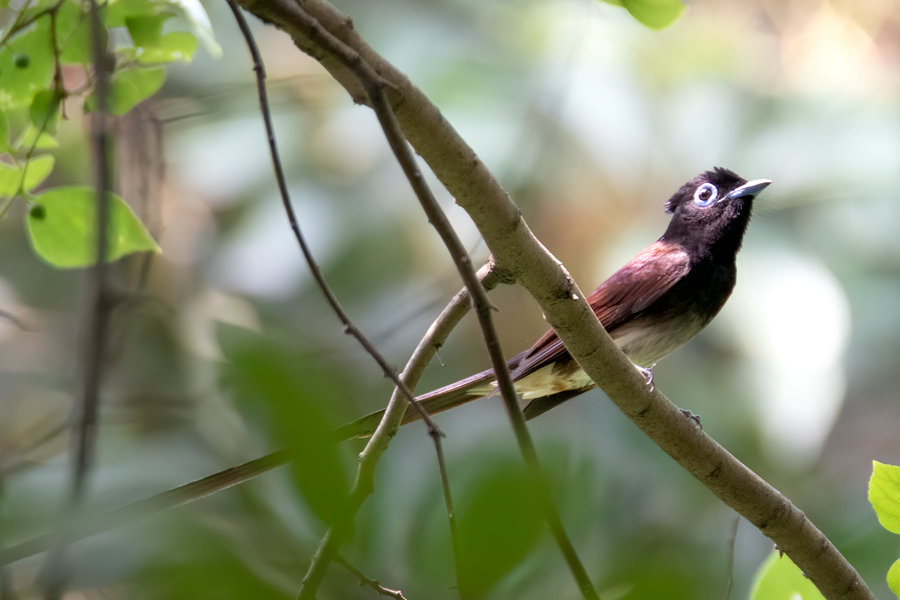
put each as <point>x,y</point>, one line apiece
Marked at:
<point>650,307</point>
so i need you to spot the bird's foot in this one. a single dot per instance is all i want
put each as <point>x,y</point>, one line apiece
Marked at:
<point>692,417</point>
<point>648,375</point>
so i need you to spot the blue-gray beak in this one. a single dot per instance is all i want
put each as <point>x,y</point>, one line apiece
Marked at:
<point>751,188</point>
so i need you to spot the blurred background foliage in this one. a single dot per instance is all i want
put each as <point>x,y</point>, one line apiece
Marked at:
<point>221,348</point>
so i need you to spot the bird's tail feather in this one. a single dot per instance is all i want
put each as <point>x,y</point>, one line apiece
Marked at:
<point>445,398</point>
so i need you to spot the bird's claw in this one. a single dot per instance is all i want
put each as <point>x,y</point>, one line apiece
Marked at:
<point>692,417</point>
<point>648,375</point>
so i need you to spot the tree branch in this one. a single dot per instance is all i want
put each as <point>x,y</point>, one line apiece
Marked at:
<point>372,583</point>
<point>341,528</point>
<point>515,248</point>
<point>83,528</point>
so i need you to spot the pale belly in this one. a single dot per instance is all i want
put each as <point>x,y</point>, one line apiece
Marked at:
<point>645,346</point>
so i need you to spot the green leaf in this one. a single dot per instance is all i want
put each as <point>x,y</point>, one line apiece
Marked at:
<point>779,579</point>
<point>65,236</point>
<point>655,14</point>
<point>31,138</point>
<point>176,45</point>
<point>291,390</point>
<point>4,132</point>
<point>26,65</point>
<point>498,527</point>
<point>893,578</point>
<point>10,178</point>
<point>37,170</point>
<point>145,30</point>
<point>78,47</point>
<point>121,10</point>
<point>68,17</point>
<point>884,494</point>
<point>127,88</point>
<point>44,111</point>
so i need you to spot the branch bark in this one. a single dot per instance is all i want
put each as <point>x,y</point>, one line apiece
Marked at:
<point>516,250</point>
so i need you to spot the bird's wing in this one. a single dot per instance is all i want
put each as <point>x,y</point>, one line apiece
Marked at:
<point>630,290</point>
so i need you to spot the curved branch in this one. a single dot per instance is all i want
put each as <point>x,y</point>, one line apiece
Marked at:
<point>515,249</point>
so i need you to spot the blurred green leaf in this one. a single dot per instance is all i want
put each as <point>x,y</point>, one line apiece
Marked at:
<point>33,138</point>
<point>37,170</point>
<point>655,14</point>
<point>779,579</point>
<point>127,88</point>
<point>205,564</point>
<point>145,30</point>
<point>884,494</point>
<point>4,132</point>
<point>498,527</point>
<point>893,578</point>
<point>122,10</point>
<point>10,178</point>
<point>176,45</point>
<point>77,49</point>
<point>293,391</point>
<point>44,110</point>
<point>68,16</point>
<point>26,65</point>
<point>65,237</point>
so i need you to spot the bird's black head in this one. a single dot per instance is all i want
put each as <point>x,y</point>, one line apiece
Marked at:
<point>711,211</point>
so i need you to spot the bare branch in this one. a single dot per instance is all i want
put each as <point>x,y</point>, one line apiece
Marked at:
<point>372,583</point>
<point>374,87</point>
<point>564,306</point>
<point>83,528</point>
<point>100,303</point>
<point>341,528</point>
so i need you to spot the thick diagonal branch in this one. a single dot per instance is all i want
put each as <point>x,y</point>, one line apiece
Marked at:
<point>515,249</point>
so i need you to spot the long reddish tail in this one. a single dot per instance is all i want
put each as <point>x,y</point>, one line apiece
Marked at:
<point>450,396</point>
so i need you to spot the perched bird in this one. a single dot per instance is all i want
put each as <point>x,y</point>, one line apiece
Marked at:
<point>654,304</point>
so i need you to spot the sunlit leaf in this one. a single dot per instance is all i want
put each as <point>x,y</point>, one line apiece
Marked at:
<point>32,138</point>
<point>893,578</point>
<point>37,170</point>
<point>200,25</point>
<point>120,11</point>
<point>176,45</point>
<point>4,132</point>
<point>655,14</point>
<point>498,527</point>
<point>10,178</point>
<point>64,234</point>
<point>779,579</point>
<point>26,65</point>
<point>884,494</point>
<point>145,30</point>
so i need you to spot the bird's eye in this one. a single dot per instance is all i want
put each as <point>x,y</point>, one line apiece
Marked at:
<point>706,194</point>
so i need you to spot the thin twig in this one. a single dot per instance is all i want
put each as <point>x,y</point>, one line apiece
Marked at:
<point>99,305</point>
<point>349,327</point>
<point>86,527</point>
<point>372,583</point>
<point>100,302</point>
<point>515,248</point>
<point>340,529</point>
<point>374,84</point>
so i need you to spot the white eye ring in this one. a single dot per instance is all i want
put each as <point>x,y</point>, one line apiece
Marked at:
<point>706,194</point>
